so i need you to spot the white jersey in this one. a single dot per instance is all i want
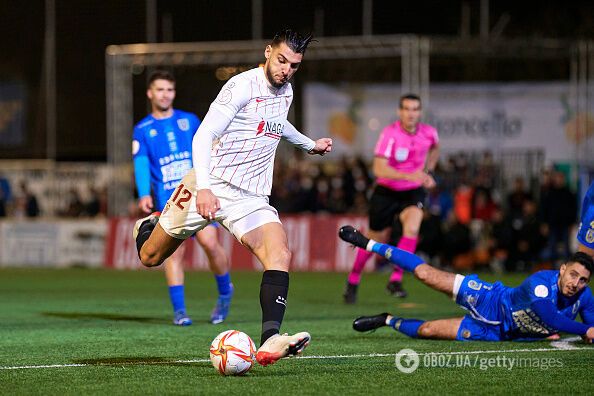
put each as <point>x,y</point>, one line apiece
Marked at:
<point>244,153</point>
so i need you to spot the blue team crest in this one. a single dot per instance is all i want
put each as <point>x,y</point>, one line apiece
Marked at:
<point>590,233</point>
<point>153,133</point>
<point>183,124</point>
<point>474,285</point>
<point>590,236</point>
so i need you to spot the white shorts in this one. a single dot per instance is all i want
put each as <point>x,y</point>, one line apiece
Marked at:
<point>241,210</point>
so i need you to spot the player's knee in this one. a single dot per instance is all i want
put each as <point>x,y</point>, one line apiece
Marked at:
<point>282,259</point>
<point>210,245</point>
<point>426,330</point>
<point>422,273</point>
<point>149,257</point>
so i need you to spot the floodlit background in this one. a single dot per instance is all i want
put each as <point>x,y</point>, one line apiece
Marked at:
<point>508,84</point>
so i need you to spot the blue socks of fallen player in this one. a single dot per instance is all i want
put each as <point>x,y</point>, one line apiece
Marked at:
<point>223,284</point>
<point>176,295</point>
<point>409,327</point>
<point>405,260</point>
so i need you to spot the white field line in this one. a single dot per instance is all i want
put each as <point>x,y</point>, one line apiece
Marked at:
<point>357,356</point>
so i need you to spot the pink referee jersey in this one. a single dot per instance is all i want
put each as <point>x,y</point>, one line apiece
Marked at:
<point>405,152</point>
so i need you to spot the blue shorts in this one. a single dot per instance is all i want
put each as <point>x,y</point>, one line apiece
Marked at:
<point>472,329</point>
<point>586,231</point>
<point>482,301</point>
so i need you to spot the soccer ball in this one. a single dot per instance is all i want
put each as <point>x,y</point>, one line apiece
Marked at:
<point>232,352</point>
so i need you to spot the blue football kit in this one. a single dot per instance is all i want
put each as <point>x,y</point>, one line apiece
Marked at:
<point>534,310</point>
<point>586,230</point>
<point>162,154</point>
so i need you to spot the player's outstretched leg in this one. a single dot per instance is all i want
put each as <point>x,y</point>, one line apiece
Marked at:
<point>143,228</point>
<point>269,243</point>
<point>436,279</point>
<point>154,245</point>
<point>442,329</point>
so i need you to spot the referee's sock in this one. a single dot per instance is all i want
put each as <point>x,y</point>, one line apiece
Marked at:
<point>273,300</point>
<point>360,261</point>
<point>409,327</point>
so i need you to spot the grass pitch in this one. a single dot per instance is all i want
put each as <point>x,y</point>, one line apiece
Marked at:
<point>81,331</point>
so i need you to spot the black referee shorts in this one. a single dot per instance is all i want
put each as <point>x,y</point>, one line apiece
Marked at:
<point>386,204</point>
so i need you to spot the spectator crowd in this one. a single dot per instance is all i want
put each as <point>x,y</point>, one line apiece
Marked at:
<point>474,217</point>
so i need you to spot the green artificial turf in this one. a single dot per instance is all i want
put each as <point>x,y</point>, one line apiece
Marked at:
<point>110,332</point>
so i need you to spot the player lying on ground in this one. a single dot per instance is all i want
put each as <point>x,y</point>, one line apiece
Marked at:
<point>546,303</point>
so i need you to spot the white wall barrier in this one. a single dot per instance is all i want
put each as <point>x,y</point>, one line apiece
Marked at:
<point>57,243</point>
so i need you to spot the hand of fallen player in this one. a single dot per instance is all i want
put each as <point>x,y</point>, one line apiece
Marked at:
<point>146,204</point>
<point>207,204</point>
<point>323,146</point>
<point>589,336</point>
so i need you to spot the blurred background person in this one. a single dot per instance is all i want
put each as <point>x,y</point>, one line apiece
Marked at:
<point>162,150</point>
<point>405,156</point>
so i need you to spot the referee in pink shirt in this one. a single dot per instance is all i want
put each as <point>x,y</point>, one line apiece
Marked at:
<point>405,155</point>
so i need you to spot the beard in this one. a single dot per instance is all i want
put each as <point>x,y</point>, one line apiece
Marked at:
<point>270,78</point>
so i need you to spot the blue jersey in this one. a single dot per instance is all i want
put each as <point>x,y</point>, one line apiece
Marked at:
<point>586,230</point>
<point>498,312</point>
<point>167,144</point>
<point>520,320</point>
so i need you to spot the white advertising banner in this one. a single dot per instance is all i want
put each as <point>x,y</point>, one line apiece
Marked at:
<point>469,117</point>
<point>61,243</point>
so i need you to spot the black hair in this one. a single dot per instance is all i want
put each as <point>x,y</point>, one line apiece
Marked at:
<point>161,75</point>
<point>583,259</point>
<point>294,40</point>
<point>409,96</point>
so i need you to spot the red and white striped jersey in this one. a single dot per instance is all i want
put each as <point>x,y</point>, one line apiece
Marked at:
<point>244,153</point>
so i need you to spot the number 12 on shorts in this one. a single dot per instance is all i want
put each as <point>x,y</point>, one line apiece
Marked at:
<point>178,200</point>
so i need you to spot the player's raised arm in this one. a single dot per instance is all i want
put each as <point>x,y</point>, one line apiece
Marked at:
<point>296,138</point>
<point>293,136</point>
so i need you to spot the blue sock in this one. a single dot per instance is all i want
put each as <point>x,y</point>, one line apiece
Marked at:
<point>176,295</point>
<point>405,260</point>
<point>223,283</point>
<point>409,327</point>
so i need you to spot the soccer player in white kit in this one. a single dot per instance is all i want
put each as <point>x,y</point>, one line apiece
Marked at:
<point>234,150</point>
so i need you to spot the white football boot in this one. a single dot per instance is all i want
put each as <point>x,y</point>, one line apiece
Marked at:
<point>280,346</point>
<point>153,218</point>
